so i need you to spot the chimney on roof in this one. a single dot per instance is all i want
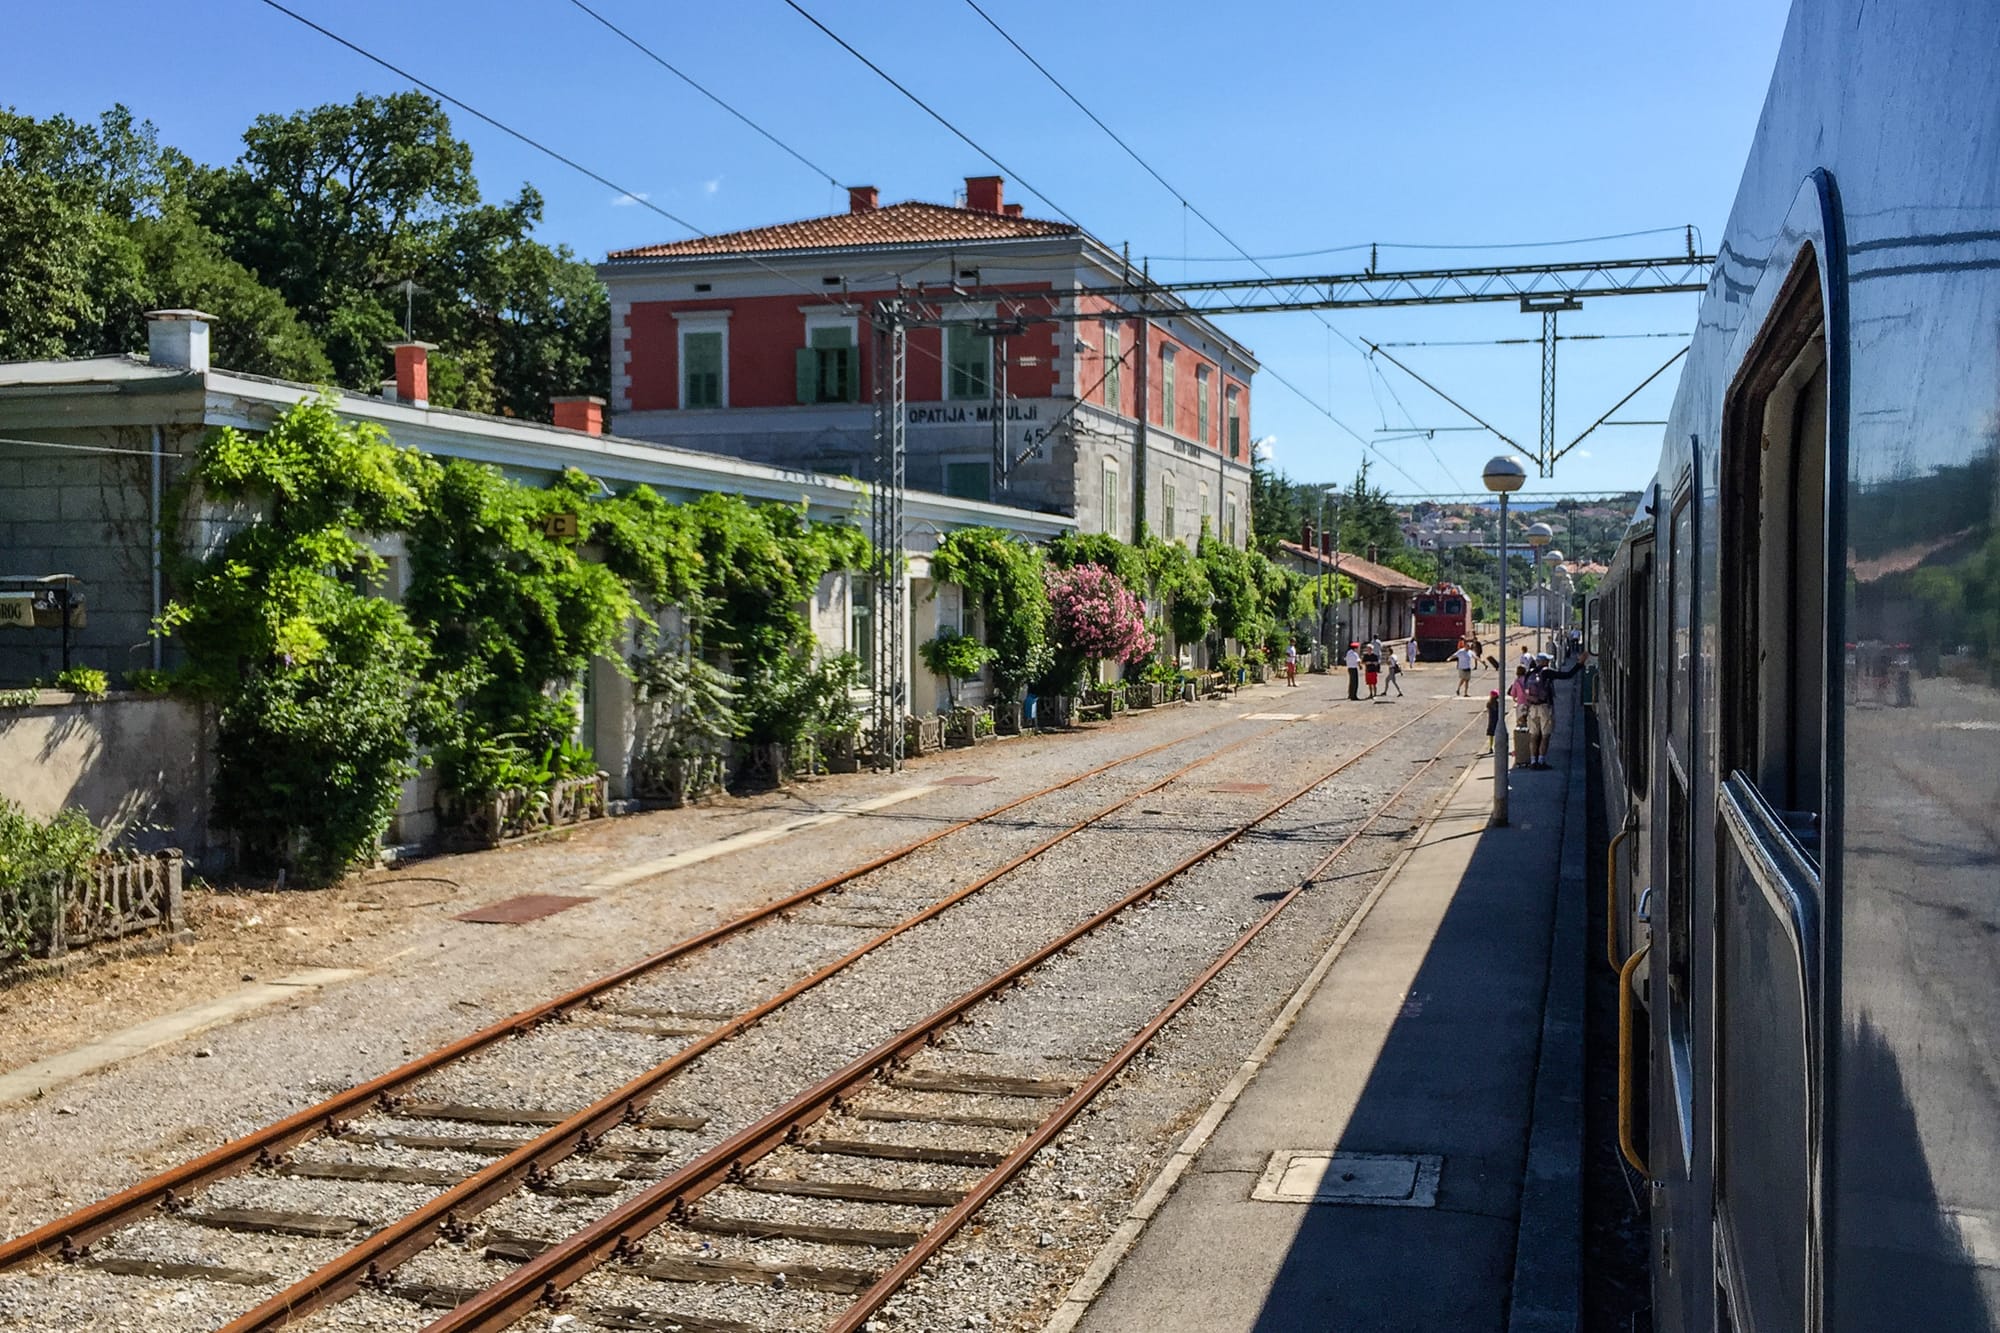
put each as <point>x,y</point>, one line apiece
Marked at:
<point>863,199</point>
<point>413,372</point>
<point>584,412</point>
<point>982,193</point>
<point>1012,210</point>
<point>1326,545</point>
<point>1306,533</point>
<point>177,339</point>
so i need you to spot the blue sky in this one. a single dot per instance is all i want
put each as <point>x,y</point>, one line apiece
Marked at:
<point>1296,126</point>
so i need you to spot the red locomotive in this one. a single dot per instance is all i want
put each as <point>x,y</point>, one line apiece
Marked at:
<point>1444,616</point>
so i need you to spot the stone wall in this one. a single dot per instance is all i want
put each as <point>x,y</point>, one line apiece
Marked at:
<point>137,765</point>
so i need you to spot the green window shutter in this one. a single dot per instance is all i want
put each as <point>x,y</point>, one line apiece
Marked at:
<point>701,373</point>
<point>851,363</point>
<point>805,373</point>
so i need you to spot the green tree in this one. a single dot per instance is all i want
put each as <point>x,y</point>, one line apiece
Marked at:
<point>336,206</point>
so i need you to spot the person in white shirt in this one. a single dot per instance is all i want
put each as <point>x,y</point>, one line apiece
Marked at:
<point>1291,664</point>
<point>1354,671</point>
<point>1466,660</point>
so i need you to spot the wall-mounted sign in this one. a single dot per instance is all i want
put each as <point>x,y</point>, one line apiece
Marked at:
<point>17,610</point>
<point>559,525</point>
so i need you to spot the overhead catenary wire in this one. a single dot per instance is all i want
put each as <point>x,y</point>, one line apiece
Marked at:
<point>1414,245</point>
<point>1187,207</point>
<point>930,111</point>
<point>711,95</point>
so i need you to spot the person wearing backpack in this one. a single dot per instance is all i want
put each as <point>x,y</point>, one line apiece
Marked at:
<point>1538,693</point>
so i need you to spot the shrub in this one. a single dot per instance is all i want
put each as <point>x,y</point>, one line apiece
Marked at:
<point>150,680</point>
<point>86,681</point>
<point>23,698</point>
<point>38,859</point>
<point>1094,618</point>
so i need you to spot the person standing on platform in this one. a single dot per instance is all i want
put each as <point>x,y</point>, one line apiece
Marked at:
<point>1538,690</point>
<point>1516,692</point>
<point>1466,658</point>
<point>1354,671</point>
<point>1393,670</point>
<point>1371,666</point>
<point>1292,664</point>
<point>1492,717</point>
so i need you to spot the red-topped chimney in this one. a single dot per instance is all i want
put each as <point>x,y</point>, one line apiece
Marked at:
<point>1012,210</point>
<point>584,412</point>
<point>413,372</point>
<point>982,193</point>
<point>1306,533</point>
<point>863,198</point>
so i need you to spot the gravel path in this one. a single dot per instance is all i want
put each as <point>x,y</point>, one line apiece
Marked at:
<point>1061,1023</point>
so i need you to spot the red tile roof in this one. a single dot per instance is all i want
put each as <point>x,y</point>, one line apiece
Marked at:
<point>1361,571</point>
<point>897,224</point>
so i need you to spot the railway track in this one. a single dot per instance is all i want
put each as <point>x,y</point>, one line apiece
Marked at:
<point>779,1155</point>
<point>382,1111</point>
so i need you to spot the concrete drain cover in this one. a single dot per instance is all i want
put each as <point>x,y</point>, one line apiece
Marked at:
<point>965,780</point>
<point>516,911</point>
<point>1385,1180</point>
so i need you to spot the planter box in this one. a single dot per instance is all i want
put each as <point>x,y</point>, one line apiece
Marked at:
<point>521,811</point>
<point>841,751</point>
<point>1146,694</point>
<point>966,727</point>
<point>123,893</point>
<point>1054,712</point>
<point>683,779</point>
<point>922,735</point>
<point>1009,717</point>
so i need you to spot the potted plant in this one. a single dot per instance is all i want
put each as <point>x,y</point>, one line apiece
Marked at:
<point>957,657</point>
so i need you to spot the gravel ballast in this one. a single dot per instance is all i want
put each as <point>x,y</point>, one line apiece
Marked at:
<point>1025,1247</point>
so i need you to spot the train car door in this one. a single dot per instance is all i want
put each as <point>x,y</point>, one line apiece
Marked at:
<point>1677,961</point>
<point>1772,763</point>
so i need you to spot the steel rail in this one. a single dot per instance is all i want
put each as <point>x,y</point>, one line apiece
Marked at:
<point>619,1232</point>
<point>73,1231</point>
<point>447,1214</point>
<point>941,1231</point>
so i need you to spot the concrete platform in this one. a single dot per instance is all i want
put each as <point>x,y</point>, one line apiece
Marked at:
<point>1440,1057</point>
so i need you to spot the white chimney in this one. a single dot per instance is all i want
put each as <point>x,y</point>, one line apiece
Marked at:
<point>178,339</point>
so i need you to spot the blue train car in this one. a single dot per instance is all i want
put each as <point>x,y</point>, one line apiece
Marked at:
<point>1799,704</point>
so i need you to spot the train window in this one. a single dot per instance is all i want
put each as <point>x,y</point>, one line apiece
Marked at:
<point>1426,606</point>
<point>1637,608</point>
<point>1774,558</point>
<point>1453,606</point>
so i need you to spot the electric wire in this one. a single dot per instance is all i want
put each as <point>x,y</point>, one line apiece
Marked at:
<point>927,109</point>
<point>1414,245</point>
<point>1188,207</point>
<point>664,64</point>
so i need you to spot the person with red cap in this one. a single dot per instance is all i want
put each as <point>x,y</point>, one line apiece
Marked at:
<point>1354,670</point>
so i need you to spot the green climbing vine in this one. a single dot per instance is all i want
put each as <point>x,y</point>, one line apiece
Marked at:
<point>1004,574</point>
<point>320,684</point>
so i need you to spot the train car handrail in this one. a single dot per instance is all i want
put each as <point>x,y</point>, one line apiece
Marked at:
<point>1625,1146</point>
<point>1611,890</point>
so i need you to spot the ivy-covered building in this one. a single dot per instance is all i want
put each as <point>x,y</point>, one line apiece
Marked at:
<point>92,452</point>
<point>756,345</point>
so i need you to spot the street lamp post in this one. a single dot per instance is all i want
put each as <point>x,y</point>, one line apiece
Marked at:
<point>1503,476</point>
<point>1319,563</point>
<point>1555,578</point>
<point>1539,535</point>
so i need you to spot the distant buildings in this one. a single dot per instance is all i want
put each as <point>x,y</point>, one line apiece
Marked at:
<point>756,345</point>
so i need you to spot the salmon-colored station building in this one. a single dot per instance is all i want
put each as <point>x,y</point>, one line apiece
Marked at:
<point>756,344</point>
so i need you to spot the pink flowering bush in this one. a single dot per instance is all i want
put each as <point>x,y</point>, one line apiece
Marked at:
<point>1095,617</point>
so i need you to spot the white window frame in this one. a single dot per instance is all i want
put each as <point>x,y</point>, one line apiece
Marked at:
<point>1114,366</point>
<point>1108,499</point>
<point>1168,386</point>
<point>1202,403</point>
<point>707,321</point>
<point>1169,497</point>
